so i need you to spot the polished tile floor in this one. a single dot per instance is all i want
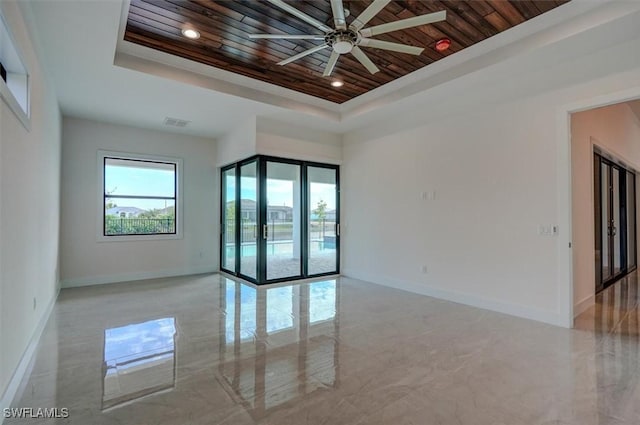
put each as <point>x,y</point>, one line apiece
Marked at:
<point>208,350</point>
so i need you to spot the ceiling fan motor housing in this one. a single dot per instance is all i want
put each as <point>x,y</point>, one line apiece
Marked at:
<point>342,41</point>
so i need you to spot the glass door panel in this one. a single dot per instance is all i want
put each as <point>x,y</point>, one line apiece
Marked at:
<point>631,221</point>
<point>606,224</point>
<point>597,211</point>
<point>283,231</point>
<point>616,222</point>
<point>229,219</point>
<point>322,224</point>
<point>249,219</point>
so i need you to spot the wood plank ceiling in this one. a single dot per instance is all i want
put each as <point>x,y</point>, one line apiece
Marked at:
<point>224,44</point>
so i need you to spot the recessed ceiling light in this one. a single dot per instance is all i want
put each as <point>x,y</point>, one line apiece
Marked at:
<point>337,83</point>
<point>191,33</point>
<point>443,44</point>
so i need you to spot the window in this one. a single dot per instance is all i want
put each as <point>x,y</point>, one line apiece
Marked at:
<point>139,196</point>
<point>14,82</point>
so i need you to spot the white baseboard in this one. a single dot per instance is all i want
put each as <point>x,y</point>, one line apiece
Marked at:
<point>126,277</point>
<point>23,366</point>
<point>525,312</point>
<point>583,305</point>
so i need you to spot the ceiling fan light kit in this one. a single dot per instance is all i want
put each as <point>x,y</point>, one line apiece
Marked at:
<point>344,39</point>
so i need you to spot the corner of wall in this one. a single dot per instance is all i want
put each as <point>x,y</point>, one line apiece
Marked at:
<point>286,140</point>
<point>237,144</point>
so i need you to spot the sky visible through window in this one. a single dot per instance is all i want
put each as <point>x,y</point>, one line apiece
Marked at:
<point>280,192</point>
<point>134,181</point>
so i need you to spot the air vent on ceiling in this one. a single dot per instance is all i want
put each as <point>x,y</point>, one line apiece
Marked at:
<point>176,122</point>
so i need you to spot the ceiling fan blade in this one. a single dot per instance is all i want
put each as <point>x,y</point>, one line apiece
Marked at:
<point>394,47</point>
<point>303,54</point>
<point>295,12</point>
<point>371,11</point>
<point>339,19</point>
<point>331,64</point>
<point>405,23</point>
<point>364,60</point>
<point>286,36</point>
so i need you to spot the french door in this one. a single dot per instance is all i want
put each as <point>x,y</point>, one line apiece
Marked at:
<point>615,221</point>
<point>279,219</point>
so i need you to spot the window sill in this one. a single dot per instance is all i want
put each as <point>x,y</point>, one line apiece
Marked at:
<point>138,238</point>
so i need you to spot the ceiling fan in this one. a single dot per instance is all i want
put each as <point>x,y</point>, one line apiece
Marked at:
<point>345,38</point>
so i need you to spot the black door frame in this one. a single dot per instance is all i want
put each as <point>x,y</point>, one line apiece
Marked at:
<point>261,219</point>
<point>223,218</point>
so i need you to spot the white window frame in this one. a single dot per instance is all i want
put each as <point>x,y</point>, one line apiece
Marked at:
<point>102,154</point>
<point>18,99</point>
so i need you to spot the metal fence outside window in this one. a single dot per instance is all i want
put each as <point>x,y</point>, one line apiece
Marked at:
<point>138,226</point>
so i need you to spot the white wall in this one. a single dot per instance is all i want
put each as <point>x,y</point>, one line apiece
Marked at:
<point>238,144</point>
<point>498,172</point>
<point>488,180</point>
<point>264,136</point>
<point>615,129</point>
<point>84,260</point>
<point>288,141</point>
<point>29,212</point>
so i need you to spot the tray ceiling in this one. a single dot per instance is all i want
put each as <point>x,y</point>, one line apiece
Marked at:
<point>224,43</point>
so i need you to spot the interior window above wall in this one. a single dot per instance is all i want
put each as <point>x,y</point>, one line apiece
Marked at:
<point>14,77</point>
<point>140,197</point>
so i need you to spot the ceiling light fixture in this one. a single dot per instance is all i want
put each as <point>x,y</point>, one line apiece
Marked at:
<point>443,44</point>
<point>337,83</point>
<point>191,33</point>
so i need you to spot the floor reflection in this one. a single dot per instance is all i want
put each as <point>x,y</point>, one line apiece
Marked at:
<point>139,360</point>
<point>201,350</point>
<point>614,309</point>
<point>614,321</point>
<point>279,343</point>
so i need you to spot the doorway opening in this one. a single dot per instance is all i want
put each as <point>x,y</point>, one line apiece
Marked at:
<point>605,159</point>
<point>280,219</point>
